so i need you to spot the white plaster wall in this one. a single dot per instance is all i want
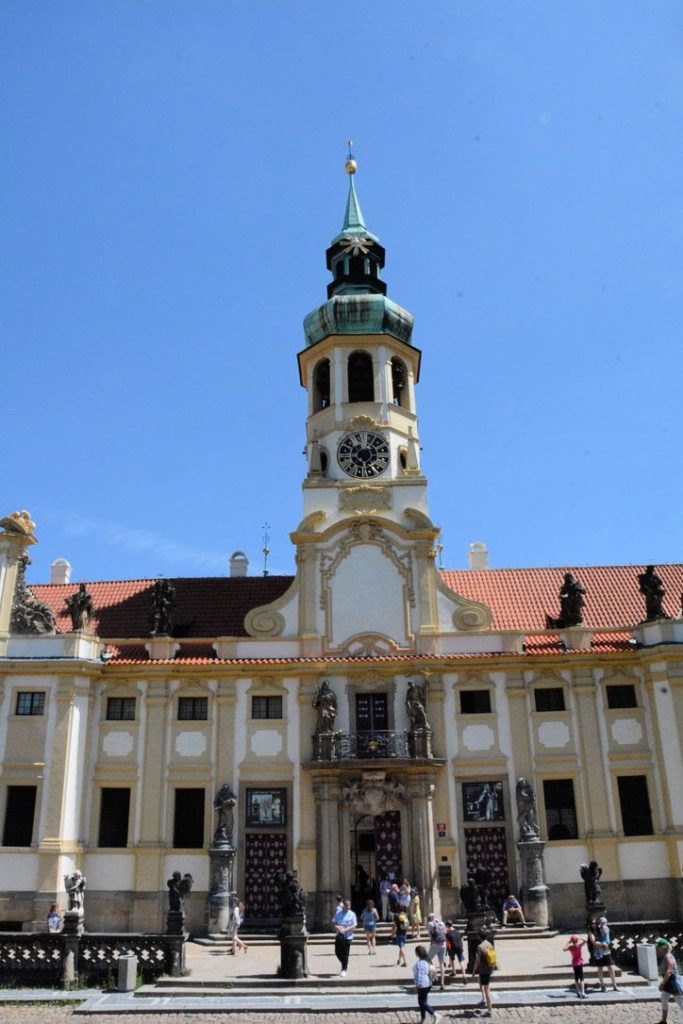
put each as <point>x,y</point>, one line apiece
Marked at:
<point>110,872</point>
<point>266,742</point>
<point>478,737</point>
<point>117,744</point>
<point>562,863</point>
<point>191,743</point>
<point>473,643</point>
<point>366,596</point>
<point>196,864</point>
<point>553,734</point>
<point>643,860</point>
<point>278,647</point>
<point>19,871</point>
<point>626,731</point>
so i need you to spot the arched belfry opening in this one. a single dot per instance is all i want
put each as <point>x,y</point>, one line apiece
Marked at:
<point>360,378</point>
<point>399,382</point>
<point>321,385</point>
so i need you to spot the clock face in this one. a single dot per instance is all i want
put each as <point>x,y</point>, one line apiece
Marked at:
<point>363,454</point>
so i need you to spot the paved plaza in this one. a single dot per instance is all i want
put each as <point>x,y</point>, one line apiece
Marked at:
<point>634,1013</point>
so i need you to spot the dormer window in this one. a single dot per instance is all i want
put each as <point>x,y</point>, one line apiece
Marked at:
<point>321,385</point>
<point>360,377</point>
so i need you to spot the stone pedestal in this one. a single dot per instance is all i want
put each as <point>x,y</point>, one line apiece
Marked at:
<point>221,865</point>
<point>325,745</point>
<point>595,911</point>
<point>293,937</point>
<point>536,892</point>
<point>74,922</point>
<point>420,742</point>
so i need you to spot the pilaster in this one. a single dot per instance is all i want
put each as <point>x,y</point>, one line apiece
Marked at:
<point>423,849</point>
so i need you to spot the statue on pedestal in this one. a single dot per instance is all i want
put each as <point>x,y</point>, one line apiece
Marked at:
<point>291,896</point>
<point>325,703</point>
<point>224,802</point>
<point>29,615</point>
<point>571,604</point>
<point>162,600</point>
<point>591,874</point>
<point>75,891</point>
<point>80,608</point>
<point>416,706</point>
<point>527,820</point>
<point>651,587</point>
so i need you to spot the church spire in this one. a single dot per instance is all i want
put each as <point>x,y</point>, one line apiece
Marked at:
<point>355,256</point>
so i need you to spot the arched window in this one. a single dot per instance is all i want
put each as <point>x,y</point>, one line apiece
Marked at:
<point>399,392</point>
<point>321,385</point>
<point>323,462</point>
<point>361,384</point>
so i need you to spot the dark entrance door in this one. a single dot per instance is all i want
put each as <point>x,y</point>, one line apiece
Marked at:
<point>486,847</point>
<point>372,724</point>
<point>265,854</point>
<point>375,854</point>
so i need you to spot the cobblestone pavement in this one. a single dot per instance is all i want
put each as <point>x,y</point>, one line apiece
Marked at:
<point>631,1013</point>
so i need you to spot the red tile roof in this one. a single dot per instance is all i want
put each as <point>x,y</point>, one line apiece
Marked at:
<point>204,606</point>
<point>521,598</point>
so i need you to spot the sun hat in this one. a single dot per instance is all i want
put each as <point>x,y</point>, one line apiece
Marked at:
<point>574,939</point>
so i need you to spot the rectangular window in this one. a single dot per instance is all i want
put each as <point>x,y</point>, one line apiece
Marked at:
<point>560,809</point>
<point>188,821</point>
<point>19,813</point>
<point>635,805</point>
<point>266,707</point>
<point>114,811</point>
<point>475,702</point>
<point>193,709</point>
<point>621,696</point>
<point>550,698</point>
<point>121,709</point>
<point>30,703</point>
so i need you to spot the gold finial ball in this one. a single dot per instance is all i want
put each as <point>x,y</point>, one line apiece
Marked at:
<point>351,166</point>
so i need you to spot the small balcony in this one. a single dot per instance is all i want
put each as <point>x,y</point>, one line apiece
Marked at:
<point>367,746</point>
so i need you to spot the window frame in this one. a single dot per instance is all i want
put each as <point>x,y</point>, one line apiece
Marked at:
<point>109,717</point>
<point>194,702</point>
<point>271,701</point>
<point>201,803</point>
<point>571,781</point>
<point>623,688</point>
<point>113,845</point>
<point>627,801</point>
<point>7,825</point>
<point>36,699</point>
<point>555,690</point>
<point>472,694</point>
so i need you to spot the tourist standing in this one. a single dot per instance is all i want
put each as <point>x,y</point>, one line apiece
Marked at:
<point>369,918</point>
<point>422,973</point>
<point>384,887</point>
<point>415,913</point>
<point>603,953</point>
<point>455,950</point>
<point>344,923</point>
<point>234,924</point>
<point>400,935</point>
<point>54,918</point>
<point>436,930</point>
<point>485,962</point>
<point>574,948</point>
<point>670,984</point>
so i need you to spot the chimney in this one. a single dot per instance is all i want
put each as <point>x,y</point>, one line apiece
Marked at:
<point>60,571</point>
<point>479,555</point>
<point>239,564</point>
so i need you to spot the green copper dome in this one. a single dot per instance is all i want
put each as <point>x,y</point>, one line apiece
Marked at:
<point>358,314</point>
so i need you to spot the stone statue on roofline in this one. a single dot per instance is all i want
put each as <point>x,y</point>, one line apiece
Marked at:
<point>651,587</point>
<point>162,600</point>
<point>571,604</point>
<point>80,608</point>
<point>29,615</point>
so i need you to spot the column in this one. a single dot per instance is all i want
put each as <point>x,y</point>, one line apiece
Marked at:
<point>423,849</point>
<point>328,867</point>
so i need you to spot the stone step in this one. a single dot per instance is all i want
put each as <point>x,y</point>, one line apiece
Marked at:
<point>383,937</point>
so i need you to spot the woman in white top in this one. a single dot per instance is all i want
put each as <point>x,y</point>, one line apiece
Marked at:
<point>422,973</point>
<point>234,926</point>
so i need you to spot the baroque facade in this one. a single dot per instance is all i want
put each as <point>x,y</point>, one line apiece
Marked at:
<point>371,713</point>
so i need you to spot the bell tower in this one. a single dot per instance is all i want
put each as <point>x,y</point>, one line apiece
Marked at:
<point>360,369</point>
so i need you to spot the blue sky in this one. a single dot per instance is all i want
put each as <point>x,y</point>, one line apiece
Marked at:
<point>173,173</point>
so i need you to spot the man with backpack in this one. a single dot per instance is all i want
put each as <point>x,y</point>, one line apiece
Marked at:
<point>455,950</point>
<point>485,962</point>
<point>436,930</point>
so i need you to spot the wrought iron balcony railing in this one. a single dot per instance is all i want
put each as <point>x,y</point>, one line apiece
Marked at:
<point>344,746</point>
